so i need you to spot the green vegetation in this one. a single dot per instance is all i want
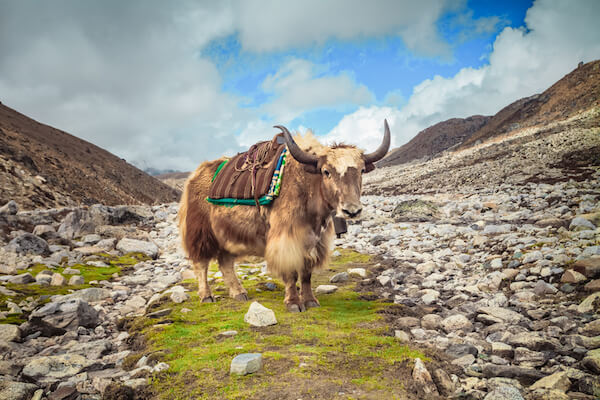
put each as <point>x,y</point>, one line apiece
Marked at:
<point>343,346</point>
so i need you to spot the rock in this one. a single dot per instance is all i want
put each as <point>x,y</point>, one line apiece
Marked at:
<point>179,297</point>
<point>572,276</point>
<point>76,280</point>
<point>91,295</point>
<point>407,322</point>
<point>106,244</point>
<point>259,315</point>
<point>28,243</point>
<point>591,328</point>
<point>532,257</point>
<point>67,314</point>
<point>415,211</point>
<point>10,333</point>
<point>326,289</point>
<point>461,349</point>
<point>556,381</point>
<point>590,267</point>
<point>431,321</point>
<point>443,382</point>
<point>589,304</point>
<point>247,363</point>
<point>422,376</point>
<point>464,361</point>
<point>160,313</point>
<point>593,286</point>
<point>161,366</point>
<point>592,361</point>
<point>542,288</point>
<point>504,392</point>
<point>358,271</point>
<point>16,390</point>
<point>55,368</point>
<point>384,280</point>
<point>228,333</point>
<point>91,239</point>
<point>496,229</point>
<point>402,336</point>
<point>457,322</point>
<point>8,269</point>
<point>581,224</point>
<point>57,280</point>
<point>10,208</point>
<point>532,341</point>
<point>502,314</point>
<point>502,350</point>
<point>529,358</point>
<point>22,279</point>
<point>127,245</point>
<point>525,376</point>
<point>430,296</point>
<point>339,278</point>
<point>77,223</point>
<point>46,232</point>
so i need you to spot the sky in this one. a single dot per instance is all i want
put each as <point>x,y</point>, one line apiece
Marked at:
<point>168,85</point>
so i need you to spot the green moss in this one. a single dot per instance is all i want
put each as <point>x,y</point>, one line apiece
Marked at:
<point>342,341</point>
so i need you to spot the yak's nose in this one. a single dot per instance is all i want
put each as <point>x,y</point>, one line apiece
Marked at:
<point>352,211</point>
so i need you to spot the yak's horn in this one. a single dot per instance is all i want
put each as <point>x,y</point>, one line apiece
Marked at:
<point>300,155</point>
<point>383,148</point>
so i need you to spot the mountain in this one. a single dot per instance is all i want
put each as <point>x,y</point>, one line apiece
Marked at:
<point>575,92</point>
<point>435,139</point>
<point>41,166</point>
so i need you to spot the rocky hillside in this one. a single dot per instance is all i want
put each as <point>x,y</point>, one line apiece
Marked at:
<point>576,92</point>
<point>41,166</point>
<point>435,139</point>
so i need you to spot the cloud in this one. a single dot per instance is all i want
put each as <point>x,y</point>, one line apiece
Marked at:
<point>523,61</point>
<point>272,25</point>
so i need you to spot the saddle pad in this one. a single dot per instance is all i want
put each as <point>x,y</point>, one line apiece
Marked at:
<point>251,176</point>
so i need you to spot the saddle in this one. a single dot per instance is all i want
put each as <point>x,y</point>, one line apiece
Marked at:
<point>252,177</point>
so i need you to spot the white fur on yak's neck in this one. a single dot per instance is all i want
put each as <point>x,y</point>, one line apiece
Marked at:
<point>340,158</point>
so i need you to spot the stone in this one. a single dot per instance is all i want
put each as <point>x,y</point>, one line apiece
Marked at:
<point>464,361</point>
<point>593,286</point>
<point>457,322</point>
<point>10,208</point>
<point>46,232</point>
<point>496,263</point>
<point>532,257</point>
<point>589,304</point>
<point>247,363</point>
<point>127,245</point>
<point>91,239</point>
<point>415,211</point>
<point>259,315</point>
<point>532,341</point>
<point>407,322</point>
<point>91,295</point>
<point>358,271</point>
<point>572,276</point>
<point>28,243</point>
<point>557,381</point>
<point>502,314</point>
<point>22,279</point>
<point>51,369</point>
<point>461,349</point>
<point>160,313</point>
<point>339,278</point>
<point>591,328</point>
<point>57,280</point>
<point>526,376</point>
<point>430,296</point>
<point>228,333</point>
<point>384,280</point>
<point>16,390</point>
<point>528,358</point>
<point>402,336</point>
<point>496,229</point>
<point>543,288</point>
<point>77,223</point>
<point>421,375</point>
<point>431,321</point>
<point>71,271</point>
<point>179,297</point>
<point>592,361</point>
<point>590,267</point>
<point>581,224</point>
<point>502,350</point>
<point>67,314</point>
<point>10,333</point>
<point>504,392</point>
<point>326,289</point>
<point>8,269</point>
<point>443,382</point>
<point>76,280</point>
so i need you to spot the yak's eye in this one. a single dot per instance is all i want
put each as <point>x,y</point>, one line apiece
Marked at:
<point>362,171</point>
<point>326,173</point>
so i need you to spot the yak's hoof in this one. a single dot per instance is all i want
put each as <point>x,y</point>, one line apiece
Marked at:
<point>296,307</point>
<point>241,297</point>
<point>312,304</point>
<point>208,299</point>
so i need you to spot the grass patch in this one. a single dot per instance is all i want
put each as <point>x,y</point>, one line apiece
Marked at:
<point>341,347</point>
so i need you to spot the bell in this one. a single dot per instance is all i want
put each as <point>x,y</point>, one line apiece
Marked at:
<point>340,226</point>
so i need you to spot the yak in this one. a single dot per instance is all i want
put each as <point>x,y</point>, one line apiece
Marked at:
<point>294,233</point>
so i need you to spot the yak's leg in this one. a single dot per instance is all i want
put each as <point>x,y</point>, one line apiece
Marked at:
<point>308,298</point>
<point>236,290</point>
<point>292,299</point>
<point>201,271</point>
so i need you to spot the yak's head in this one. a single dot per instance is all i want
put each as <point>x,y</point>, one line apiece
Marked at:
<point>340,168</point>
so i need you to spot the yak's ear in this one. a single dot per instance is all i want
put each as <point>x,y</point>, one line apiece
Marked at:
<point>369,167</point>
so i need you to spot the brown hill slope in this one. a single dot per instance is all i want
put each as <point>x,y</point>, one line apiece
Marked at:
<point>435,139</point>
<point>41,166</point>
<point>575,92</point>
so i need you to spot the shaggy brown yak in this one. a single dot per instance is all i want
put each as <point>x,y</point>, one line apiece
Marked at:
<point>294,233</point>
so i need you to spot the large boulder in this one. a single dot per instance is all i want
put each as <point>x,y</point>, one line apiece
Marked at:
<point>127,245</point>
<point>28,243</point>
<point>55,368</point>
<point>67,314</point>
<point>76,224</point>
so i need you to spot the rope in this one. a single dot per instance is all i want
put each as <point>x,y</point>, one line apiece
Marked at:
<point>255,158</point>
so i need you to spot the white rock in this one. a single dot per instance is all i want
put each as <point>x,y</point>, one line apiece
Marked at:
<point>358,271</point>
<point>326,289</point>
<point>127,245</point>
<point>457,322</point>
<point>259,315</point>
<point>247,363</point>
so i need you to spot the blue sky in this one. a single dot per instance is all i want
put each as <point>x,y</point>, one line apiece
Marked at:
<point>170,84</point>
